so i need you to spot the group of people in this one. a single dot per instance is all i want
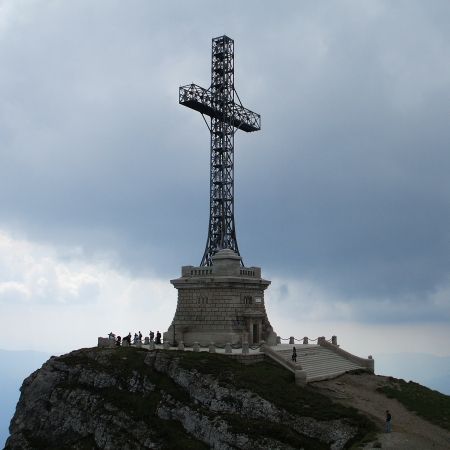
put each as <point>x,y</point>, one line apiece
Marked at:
<point>157,340</point>
<point>137,338</point>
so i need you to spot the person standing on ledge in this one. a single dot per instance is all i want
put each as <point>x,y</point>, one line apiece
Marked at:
<point>294,355</point>
<point>388,421</point>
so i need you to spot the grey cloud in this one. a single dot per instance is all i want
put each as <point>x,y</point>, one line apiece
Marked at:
<point>345,185</point>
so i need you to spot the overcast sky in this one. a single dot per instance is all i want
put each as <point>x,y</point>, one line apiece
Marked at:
<point>343,197</point>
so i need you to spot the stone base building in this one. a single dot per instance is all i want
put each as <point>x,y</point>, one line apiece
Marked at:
<point>222,303</point>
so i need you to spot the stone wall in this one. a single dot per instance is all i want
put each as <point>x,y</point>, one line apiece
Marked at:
<point>222,303</point>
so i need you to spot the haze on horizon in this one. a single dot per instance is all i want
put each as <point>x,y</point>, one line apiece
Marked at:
<point>343,197</point>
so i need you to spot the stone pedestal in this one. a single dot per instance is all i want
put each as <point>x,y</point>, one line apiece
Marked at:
<point>106,342</point>
<point>221,303</point>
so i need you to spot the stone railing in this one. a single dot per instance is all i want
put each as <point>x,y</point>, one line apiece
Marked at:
<point>368,363</point>
<point>110,342</point>
<point>305,340</point>
<point>228,348</point>
<point>202,271</point>
<point>247,272</point>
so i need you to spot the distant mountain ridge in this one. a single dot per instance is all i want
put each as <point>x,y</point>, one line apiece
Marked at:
<point>429,370</point>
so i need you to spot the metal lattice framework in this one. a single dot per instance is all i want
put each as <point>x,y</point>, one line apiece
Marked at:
<point>226,117</point>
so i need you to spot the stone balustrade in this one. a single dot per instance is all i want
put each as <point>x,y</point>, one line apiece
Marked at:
<point>111,342</point>
<point>191,271</point>
<point>196,347</point>
<point>306,340</point>
<point>368,363</point>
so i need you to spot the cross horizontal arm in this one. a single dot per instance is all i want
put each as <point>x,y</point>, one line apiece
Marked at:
<point>202,100</point>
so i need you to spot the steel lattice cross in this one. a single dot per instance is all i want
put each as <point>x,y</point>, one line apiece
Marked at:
<point>226,117</point>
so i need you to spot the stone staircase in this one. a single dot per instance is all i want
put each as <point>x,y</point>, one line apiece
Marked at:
<point>318,363</point>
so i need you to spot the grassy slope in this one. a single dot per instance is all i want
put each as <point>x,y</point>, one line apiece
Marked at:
<point>431,405</point>
<point>277,385</point>
<point>266,379</point>
<point>122,362</point>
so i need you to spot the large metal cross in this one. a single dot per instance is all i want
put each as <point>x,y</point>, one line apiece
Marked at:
<point>226,117</point>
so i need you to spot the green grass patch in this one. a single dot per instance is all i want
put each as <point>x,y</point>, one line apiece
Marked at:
<point>269,380</point>
<point>431,405</point>
<point>266,379</point>
<point>123,363</point>
<point>277,385</point>
<point>124,358</point>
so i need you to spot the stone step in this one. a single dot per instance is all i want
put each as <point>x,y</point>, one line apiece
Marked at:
<point>306,364</point>
<point>325,372</point>
<point>319,357</point>
<point>315,360</point>
<point>318,362</point>
<point>329,368</point>
<point>327,364</point>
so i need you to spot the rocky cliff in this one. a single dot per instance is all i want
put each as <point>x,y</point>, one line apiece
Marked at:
<point>128,398</point>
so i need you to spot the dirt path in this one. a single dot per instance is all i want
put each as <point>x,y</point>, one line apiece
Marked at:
<point>409,431</point>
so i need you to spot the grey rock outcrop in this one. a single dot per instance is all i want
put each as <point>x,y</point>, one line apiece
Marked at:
<point>135,399</point>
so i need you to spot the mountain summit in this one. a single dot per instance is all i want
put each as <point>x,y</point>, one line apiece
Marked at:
<point>131,398</point>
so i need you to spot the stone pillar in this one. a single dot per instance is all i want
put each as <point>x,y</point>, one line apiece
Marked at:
<point>305,340</point>
<point>321,340</point>
<point>334,340</point>
<point>250,325</point>
<point>300,378</point>
<point>278,340</point>
<point>245,349</point>
<point>291,340</point>
<point>146,340</point>
<point>196,347</point>
<point>212,348</point>
<point>228,348</point>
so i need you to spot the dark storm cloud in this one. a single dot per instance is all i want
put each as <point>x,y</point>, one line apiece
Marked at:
<point>346,185</point>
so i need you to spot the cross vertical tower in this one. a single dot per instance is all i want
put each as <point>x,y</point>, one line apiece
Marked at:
<point>221,301</point>
<point>226,117</point>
